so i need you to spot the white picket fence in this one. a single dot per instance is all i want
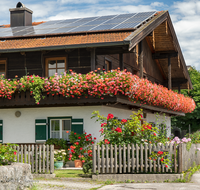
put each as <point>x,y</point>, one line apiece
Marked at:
<point>132,159</point>
<point>40,157</point>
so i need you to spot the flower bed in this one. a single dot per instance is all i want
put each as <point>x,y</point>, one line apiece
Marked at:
<point>98,85</point>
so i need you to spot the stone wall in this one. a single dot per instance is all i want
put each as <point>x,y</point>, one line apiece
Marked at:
<point>16,176</point>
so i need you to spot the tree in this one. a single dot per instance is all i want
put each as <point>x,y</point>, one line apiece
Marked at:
<point>191,118</point>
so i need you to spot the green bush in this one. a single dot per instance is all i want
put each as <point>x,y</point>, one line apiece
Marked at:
<point>195,137</point>
<point>7,153</point>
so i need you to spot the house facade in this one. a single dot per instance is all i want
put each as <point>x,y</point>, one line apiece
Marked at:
<point>144,44</point>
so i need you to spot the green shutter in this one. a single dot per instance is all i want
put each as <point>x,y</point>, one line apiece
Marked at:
<point>77,126</point>
<point>40,130</point>
<point>1,131</point>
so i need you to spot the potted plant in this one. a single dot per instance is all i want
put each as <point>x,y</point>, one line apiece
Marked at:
<point>82,143</point>
<point>59,157</point>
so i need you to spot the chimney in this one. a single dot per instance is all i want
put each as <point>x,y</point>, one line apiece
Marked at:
<point>20,16</point>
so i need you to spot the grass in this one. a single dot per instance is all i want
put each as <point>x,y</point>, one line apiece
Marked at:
<point>69,173</point>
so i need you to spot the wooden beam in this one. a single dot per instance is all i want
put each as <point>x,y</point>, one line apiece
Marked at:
<point>163,55</point>
<point>179,89</point>
<point>177,81</point>
<point>93,59</point>
<point>121,61</point>
<point>169,74</point>
<point>157,61</point>
<point>141,59</point>
<point>154,40</point>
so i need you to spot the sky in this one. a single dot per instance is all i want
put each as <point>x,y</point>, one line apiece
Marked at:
<point>185,16</point>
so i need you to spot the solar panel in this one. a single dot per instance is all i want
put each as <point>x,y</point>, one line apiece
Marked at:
<point>109,22</point>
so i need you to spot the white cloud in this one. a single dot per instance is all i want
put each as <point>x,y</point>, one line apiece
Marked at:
<point>186,20</point>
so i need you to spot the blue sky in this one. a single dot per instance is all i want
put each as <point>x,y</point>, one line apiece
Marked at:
<point>185,16</point>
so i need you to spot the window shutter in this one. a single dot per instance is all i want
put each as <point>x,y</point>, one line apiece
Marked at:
<point>40,130</point>
<point>1,131</point>
<point>77,126</point>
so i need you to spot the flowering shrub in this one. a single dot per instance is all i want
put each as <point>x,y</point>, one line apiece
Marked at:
<point>131,131</point>
<point>81,148</point>
<point>99,85</point>
<point>59,155</point>
<point>125,131</point>
<point>7,153</point>
<point>176,140</point>
<point>195,137</point>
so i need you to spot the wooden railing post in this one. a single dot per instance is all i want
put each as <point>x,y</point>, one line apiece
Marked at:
<point>94,158</point>
<point>180,156</point>
<point>51,159</point>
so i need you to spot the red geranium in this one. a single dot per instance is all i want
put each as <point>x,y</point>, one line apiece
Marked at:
<point>110,116</point>
<point>118,129</point>
<point>106,141</point>
<point>123,121</point>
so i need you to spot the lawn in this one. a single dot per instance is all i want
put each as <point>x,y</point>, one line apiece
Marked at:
<point>69,173</point>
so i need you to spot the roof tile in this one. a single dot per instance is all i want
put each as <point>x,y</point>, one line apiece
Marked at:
<point>63,40</point>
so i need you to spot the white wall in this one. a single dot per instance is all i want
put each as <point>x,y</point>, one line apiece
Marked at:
<point>160,119</point>
<point>22,129</point>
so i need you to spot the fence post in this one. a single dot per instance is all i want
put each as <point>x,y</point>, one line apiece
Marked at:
<point>180,161</point>
<point>94,158</point>
<point>51,159</point>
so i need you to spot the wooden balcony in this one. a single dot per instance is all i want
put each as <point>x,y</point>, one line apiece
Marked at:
<point>24,99</point>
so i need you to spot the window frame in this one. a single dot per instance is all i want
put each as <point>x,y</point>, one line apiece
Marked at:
<point>60,121</point>
<point>51,59</point>
<point>4,61</point>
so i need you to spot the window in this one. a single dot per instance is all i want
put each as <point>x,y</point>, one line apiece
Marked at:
<point>58,128</point>
<point>3,67</point>
<point>55,65</point>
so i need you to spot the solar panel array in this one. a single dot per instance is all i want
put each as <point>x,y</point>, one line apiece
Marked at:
<point>100,23</point>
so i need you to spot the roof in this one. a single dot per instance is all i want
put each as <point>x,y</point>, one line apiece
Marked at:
<point>29,43</point>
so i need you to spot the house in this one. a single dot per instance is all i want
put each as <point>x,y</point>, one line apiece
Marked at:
<point>144,44</point>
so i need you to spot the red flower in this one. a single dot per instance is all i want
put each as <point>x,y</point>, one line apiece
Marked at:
<point>83,161</point>
<point>81,148</point>
<point>106,141</point>
<point>87,139</point>
<point>95,138</point>
<point>103,124</point>
<point>76,143</point>
<point>79,137</point>
<point>166,166</point>
<point>70,158</point>
<point>154,134</point>
<point>74,133</point>
<point>110,116</point>
<point>123,121</point>
<point>15,153</point>
<point>160,152</point>
<point>32,81</point>
<point>162,159</point>
<point>118,129</point>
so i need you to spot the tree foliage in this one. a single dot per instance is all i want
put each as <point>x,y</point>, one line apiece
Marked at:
<point>191,118</point>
